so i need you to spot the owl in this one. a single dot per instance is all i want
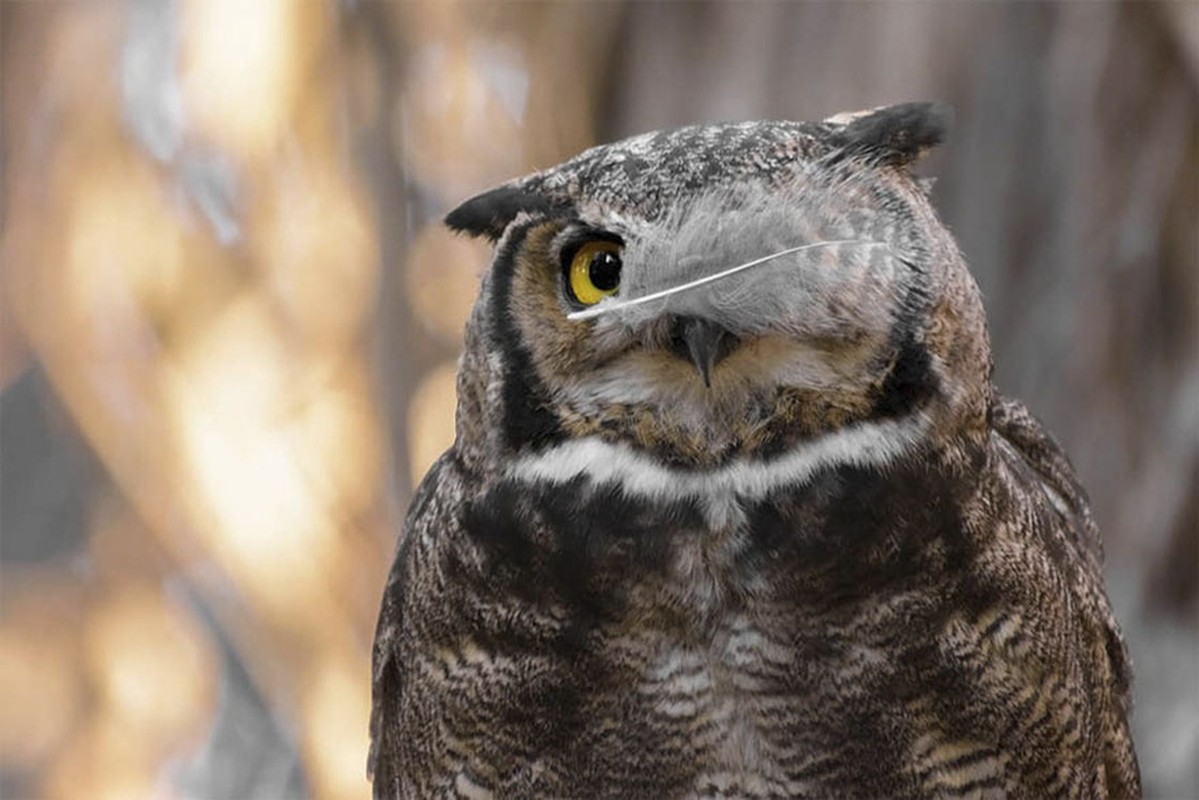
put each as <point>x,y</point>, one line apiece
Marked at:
<point>734,508</point>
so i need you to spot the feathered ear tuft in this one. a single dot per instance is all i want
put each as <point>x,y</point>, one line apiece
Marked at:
<point>896,135</point>
<point>488,214</point>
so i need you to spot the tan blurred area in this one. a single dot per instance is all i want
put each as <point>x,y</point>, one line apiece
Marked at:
<point>230,317</point>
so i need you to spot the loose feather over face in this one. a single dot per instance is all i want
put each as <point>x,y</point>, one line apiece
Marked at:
<point>832,251</point>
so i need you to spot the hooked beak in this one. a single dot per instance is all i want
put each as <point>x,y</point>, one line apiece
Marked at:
<point>703,343</point>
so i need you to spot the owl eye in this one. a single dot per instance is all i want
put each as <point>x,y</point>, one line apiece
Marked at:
<point>594,271</point>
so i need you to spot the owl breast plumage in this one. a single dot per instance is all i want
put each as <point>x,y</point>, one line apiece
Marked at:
<point>734,509</point>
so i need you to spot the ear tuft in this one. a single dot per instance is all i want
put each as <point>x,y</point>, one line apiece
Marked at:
<point>488,214</point>
<point>897,135</point>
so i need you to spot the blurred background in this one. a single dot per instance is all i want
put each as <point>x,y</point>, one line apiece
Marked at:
<point>229,320</point>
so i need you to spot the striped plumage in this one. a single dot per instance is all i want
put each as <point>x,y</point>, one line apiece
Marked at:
<point>846,568</point>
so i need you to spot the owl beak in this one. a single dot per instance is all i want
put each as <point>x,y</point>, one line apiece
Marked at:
<point>703,342</point>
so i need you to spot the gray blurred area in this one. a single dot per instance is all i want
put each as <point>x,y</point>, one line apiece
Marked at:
<point>1071,181</point>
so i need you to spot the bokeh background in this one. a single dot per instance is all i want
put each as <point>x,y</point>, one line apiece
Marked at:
<point>230,320</point>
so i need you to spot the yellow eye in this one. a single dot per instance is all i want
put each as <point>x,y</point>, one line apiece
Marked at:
<point>594,271</point>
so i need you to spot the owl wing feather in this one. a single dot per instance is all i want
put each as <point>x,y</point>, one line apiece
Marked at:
<point>1029,441</point>
<point>1025,433</point>
<point>387,670</point>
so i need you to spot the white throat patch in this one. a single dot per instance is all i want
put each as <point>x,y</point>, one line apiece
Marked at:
<point>721,490</point>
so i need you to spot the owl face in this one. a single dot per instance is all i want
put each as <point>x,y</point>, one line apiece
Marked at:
<point>715,292</point>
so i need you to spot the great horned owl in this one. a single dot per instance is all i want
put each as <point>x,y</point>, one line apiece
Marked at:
<point>734,509</point>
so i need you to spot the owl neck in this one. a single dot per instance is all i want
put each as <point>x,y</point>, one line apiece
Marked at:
<point>504,429</point>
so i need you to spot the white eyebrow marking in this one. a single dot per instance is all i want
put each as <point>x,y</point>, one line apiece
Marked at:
<point>606,307</point>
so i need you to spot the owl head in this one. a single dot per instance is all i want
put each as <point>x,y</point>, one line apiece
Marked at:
<point>721,292</point>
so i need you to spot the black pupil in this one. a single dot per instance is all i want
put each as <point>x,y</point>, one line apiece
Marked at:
<point>604,270</point>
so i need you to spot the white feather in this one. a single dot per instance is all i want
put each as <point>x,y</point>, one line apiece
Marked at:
<point>722,489</point>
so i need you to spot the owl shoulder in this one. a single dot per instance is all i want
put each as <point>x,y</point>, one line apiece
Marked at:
<point>432,510</point>
<point>1025,441</point>
<point>1058,517</point>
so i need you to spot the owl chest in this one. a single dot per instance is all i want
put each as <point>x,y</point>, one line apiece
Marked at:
<point>754,653</point>
<point>731,661</point>
<point>721,696</point>
<point>713,662</point>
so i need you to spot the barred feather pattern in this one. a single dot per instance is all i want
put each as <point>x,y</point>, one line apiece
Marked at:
<point>968,652</point>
